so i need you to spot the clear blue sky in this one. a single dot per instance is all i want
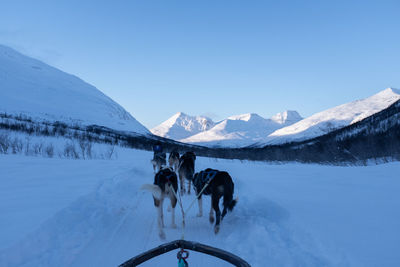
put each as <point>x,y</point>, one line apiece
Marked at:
<point>218,58</point>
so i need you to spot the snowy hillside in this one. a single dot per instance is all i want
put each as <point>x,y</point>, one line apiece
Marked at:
<point>37,90</point>
<point>60,212</point>
<point>242,130</point>
<point>181,126</point>
<point>334,118</point>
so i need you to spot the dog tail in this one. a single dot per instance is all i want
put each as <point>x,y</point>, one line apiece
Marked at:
<point>232,204</point>
<point>153,189</point>
<point>229,202</point>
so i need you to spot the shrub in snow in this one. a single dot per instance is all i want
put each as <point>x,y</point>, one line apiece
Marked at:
<point>49,151</point>
<point>4,143</point>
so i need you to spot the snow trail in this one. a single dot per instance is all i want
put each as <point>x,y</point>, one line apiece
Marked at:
<point>287,215</point>
<point>117,222</point>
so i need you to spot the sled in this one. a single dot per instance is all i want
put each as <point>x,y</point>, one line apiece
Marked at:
<point>183,244</point>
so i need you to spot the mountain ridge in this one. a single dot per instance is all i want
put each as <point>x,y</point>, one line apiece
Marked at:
<point>182,125</point>
<point>38,90</point>
<point>334,118</point>
<point>242,130</point>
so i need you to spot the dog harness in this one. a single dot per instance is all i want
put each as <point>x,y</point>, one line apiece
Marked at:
<point>205,177</point>
<point>160,155</point>
<point>167,173</point>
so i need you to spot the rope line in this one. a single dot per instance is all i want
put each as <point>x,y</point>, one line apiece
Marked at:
<point>183,213</point>
<point>190,206</point>
<point>198,195</point>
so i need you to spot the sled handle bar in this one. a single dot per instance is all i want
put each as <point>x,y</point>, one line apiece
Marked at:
<point>216,252</point>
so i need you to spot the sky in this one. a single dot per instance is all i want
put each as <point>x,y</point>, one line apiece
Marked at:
<point>214,58</point>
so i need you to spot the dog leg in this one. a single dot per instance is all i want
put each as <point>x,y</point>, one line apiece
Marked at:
<point>173,224</point>
<point>159,222</point>
<point>158,167</point>
<point>200,201</point>
<point>182,185</point>
<point>162,212</point>
<point>189,187</point>
<point>173,205</point>
<point>211,217</point>
<point>215,205</point>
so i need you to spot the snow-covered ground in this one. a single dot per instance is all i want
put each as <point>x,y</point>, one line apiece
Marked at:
<point>63,212</point>
<point>13,142</point>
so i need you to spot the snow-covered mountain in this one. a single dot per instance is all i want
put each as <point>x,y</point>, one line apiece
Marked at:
<point>242,130</point>
<point>37,90</point>
<point>181,126</point>
<point>287,117</point>
<point>334,118</point>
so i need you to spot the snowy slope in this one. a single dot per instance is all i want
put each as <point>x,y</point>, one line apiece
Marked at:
<point>242,130</point>
<point>35,89</point>
<point>181,126</point>
<point>334,118</point>
<point>287,215</point>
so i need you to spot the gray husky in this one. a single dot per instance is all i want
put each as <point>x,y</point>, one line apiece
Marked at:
<point>186,170</point>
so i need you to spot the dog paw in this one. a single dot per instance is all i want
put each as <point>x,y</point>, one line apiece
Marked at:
<point>216,229</point>
<point>173,226</point>
<point>211,219</point>
<point>161,235</point>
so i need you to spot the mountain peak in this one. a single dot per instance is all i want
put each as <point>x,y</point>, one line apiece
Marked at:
<point>181,126</point>
<point>246,117</point>
<point>180,114</point>
<point>390,90</point>
<point>334,118</point>
<point>287,117</point>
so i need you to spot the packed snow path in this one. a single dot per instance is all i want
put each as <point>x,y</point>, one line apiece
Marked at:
<point>287,215</point>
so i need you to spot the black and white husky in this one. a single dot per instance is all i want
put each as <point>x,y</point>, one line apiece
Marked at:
<point>159,160</point>
<point>220,184</point>
<point>173,160</point>
<point>186,170</point>
<point>164,182</point>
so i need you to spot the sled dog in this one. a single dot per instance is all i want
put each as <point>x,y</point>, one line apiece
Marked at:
<point>164,182</point>
<point>220,184</point>
<point>158,161</point>
<point>173,160</point>
<point>186,170</point>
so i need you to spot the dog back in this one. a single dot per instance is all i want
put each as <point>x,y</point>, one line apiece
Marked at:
<point>166,177</point>
<point>215,179</point>
<point>186,165</point>
<point>174,155</point>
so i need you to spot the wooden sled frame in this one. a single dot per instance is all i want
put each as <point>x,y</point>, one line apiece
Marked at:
<point>177,244</point>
